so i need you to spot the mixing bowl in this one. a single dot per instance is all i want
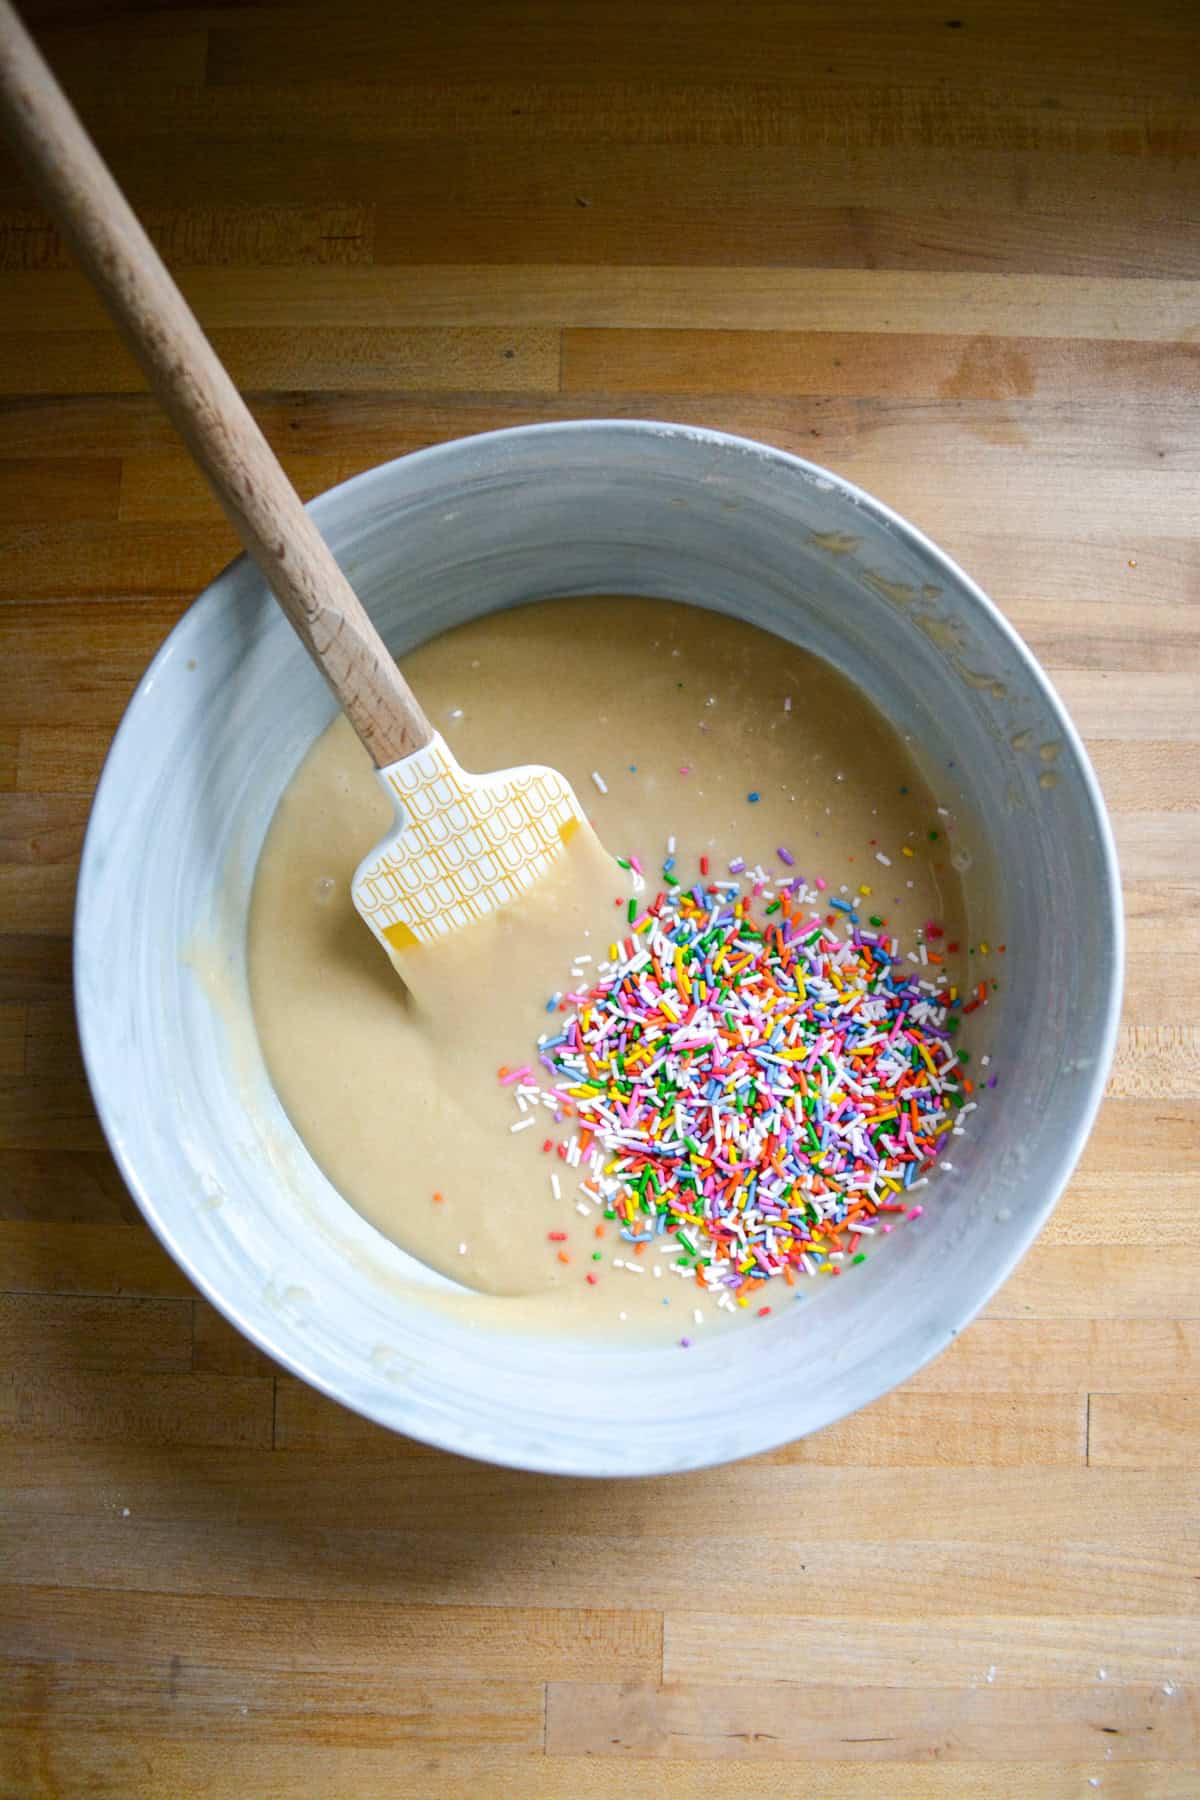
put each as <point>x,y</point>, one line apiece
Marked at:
<point>216,728</point>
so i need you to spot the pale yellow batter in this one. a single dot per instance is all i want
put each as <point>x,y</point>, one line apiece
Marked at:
<point>684,715</point>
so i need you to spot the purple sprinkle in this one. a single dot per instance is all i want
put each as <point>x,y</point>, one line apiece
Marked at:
<point>785,856</point>
<point>685,1343</point>
<point>737,865</point>
<point>991,1081</point>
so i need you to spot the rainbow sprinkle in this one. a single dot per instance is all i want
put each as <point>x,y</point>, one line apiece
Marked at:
<point>764,1092</point>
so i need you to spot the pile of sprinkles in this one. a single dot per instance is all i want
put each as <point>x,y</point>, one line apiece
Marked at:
<point>757,1087</point>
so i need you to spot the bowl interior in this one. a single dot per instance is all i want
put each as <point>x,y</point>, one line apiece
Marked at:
<point>211,738</point>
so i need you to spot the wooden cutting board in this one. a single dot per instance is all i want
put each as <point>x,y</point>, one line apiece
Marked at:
<point>956,258</point>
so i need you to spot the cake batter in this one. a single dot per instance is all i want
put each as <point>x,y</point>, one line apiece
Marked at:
<point>671,723</point>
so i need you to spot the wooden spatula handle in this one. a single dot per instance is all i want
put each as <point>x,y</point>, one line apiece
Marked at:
<point>203,403</point>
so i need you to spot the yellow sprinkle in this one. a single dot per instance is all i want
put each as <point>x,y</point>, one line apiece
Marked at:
<point>612,953</point>
<point>906,850</point>
<point>864,890</point>
<point>985,949</point>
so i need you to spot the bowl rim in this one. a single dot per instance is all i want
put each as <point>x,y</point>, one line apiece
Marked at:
<point>1109,894</point>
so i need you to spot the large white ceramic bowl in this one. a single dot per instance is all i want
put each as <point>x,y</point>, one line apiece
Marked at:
<point>220,721</point>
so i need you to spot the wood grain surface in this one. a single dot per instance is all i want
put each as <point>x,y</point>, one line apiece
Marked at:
<point>954,254</point>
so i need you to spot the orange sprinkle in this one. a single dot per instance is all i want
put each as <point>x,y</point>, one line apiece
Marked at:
<point>564,1256</point>
<point>599,1231</point>
<point>438,1198</point>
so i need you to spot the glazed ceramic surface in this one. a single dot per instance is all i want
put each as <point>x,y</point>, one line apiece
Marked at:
<point>217,727</point>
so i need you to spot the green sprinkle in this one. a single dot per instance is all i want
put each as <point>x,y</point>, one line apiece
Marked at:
<point>622,863</point>
<point>597,1256</point>
<point>875,919</point>
<point>861,1257</point>
<point>933,837</point>
<point>631,912</point>
<point>775,906</point>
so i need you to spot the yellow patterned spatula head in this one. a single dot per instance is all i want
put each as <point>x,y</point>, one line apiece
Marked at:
<point>463,844</point>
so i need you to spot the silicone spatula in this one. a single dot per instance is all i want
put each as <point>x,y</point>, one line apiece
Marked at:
<point>463,844</point>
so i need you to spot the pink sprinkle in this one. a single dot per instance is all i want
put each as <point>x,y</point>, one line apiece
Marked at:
<point>515,1075</point>
<point>635,864</point>
<point>886,1229</point>
<point>915,1212</point>
<point>820,884</point>
<point>758,888</point>
<point>785,856</point>
<point>685,768</point>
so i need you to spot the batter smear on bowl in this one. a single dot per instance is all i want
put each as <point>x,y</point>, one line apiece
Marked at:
<point>661,1091</point>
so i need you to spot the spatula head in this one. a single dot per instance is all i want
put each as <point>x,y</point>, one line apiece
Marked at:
<point>463,844</point>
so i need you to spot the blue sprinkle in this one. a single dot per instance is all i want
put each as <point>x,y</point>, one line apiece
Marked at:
<point>753,799</point>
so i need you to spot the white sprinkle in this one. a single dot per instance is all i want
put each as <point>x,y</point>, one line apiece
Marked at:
<point>581,961</point>
<point>125,1515</point>
<point>556,1187</point>
<point>943,812</point>
<point>1101,1674</point>
<point>657,1272</point>
<point>462,1249</point>
<point>991,1674</point>
<point>457,713</point>
<point>670,846</point>
<point>787,703</point>
<point>600,781</point>
<point>523,1124</point>
<point>881,858</point>
<point>1169,1688</point>
<point>622,1315</point>
<point>697,1315</point>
